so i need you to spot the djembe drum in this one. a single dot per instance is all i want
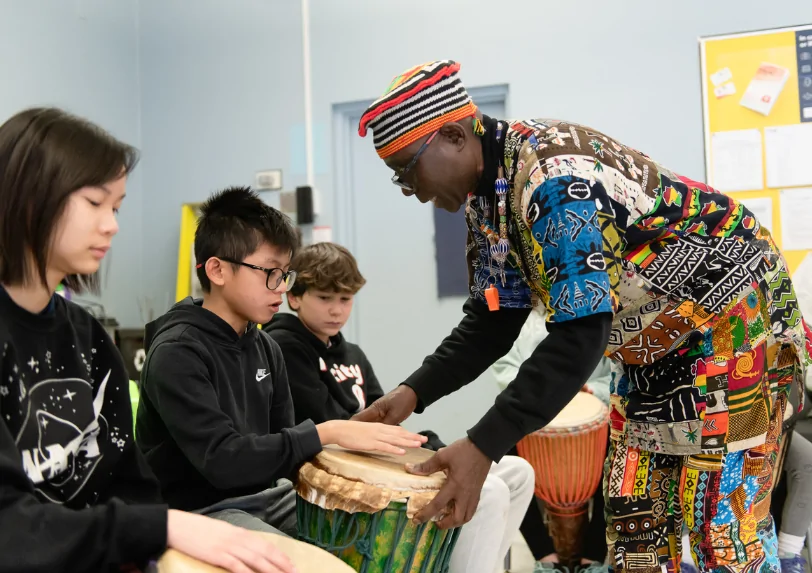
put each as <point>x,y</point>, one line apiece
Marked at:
<point>306,559</point>
<point>359,506</point>
<point>567,456</point>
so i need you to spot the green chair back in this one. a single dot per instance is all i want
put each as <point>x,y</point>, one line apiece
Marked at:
<point>135,395</point>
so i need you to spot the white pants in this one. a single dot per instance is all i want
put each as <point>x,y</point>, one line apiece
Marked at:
<point>484,541</point>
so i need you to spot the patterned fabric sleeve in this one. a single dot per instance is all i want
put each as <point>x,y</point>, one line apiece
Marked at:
<point>572,221</point>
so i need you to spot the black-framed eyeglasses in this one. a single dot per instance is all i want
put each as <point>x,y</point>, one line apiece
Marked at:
<point>397,178</point>
<point>273,277</point>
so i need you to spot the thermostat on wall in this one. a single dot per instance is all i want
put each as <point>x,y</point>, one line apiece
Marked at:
<point>269,180</point>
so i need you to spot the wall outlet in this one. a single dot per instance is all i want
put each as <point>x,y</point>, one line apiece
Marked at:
<point>269,180</point>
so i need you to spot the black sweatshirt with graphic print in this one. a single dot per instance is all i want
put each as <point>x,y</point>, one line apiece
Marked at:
<point>75,493</point>
<point>216,415</point>
<point>331,382</point>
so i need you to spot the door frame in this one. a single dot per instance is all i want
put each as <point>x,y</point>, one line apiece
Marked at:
<point>345,116</point>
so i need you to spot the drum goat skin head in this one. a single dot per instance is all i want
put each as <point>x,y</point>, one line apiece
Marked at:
<point>367,482</point>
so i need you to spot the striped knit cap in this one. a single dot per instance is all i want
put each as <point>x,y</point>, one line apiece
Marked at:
<point>417,102</point>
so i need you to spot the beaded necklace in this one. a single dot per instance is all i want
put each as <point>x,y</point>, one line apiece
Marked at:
<point>498,243</point>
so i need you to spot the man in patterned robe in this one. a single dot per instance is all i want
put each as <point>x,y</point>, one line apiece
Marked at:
<point>681,286</point>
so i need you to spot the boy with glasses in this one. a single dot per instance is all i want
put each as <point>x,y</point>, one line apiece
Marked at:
<point>216,420</point>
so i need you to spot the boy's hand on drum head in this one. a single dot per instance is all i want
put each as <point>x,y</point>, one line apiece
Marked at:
<point>224,545</point>
<point>466,468</point>
<point>392,408</point>
<point>369,437</point>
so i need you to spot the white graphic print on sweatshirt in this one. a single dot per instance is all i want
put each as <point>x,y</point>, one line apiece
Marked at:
<point>60,434</point>
<point>342,373</point>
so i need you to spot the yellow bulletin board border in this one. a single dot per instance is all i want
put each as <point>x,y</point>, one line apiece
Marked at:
<point>188,226</point>
<point>740,48</point>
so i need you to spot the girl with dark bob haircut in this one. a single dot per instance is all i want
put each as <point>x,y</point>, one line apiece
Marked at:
<point>75,492</point>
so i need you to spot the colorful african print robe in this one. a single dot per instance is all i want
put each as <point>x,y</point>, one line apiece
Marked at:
<point>707,333</point>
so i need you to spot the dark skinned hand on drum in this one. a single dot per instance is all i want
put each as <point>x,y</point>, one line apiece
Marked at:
<point>392,408</point>
<point>466,468</point>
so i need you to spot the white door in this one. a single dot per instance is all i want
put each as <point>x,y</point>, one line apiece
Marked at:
<point>398,317</point>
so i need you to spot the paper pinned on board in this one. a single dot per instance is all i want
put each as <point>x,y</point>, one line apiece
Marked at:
<point>724,90</point>
<point>761,208</point>
<point>788,151</point>
<point>796,219</point>
<point>723,87</point>
<point>737,160</point>
<point>763,90</point>
<point>720,77</point>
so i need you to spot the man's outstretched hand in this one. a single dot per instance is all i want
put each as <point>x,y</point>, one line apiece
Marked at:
<point>392,408</point>
<point>466,468</point>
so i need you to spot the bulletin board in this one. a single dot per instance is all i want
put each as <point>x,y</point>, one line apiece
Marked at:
<point>187,283</point>
<point>757,100</point>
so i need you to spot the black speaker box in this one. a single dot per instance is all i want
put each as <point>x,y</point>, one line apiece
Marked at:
<point>304,205</point>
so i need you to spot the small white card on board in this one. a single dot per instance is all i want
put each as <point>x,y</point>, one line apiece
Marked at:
<point>722,76</point>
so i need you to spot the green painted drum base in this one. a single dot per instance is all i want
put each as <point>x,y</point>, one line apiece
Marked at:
<point>383,542</point>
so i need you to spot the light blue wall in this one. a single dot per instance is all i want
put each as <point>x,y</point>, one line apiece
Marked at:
<point>221,94</point>
<point>82,55</point>
<point>222,97</point>
<point>629,68</point>
<point>222,83</point>
<point>211,91</point>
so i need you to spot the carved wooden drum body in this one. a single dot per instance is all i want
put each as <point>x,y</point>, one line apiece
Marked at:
<point>568,456</point>
<point>359,506</point>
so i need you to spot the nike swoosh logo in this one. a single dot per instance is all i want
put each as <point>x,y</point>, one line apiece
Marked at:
<point>259,378</point>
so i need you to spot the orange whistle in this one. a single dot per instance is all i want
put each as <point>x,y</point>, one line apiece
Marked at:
<point>492,296</point>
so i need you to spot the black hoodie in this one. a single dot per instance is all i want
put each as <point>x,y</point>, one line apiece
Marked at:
<point>216,416</point>
<point>327,382</point>
<point>331,382</point>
